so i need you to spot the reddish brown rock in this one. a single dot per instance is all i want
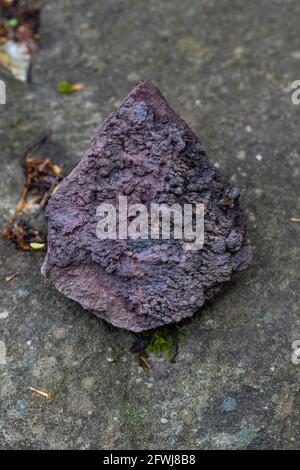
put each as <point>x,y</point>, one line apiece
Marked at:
<point>145,151</point>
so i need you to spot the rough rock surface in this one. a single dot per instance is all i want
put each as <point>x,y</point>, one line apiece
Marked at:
<point>146,152</point>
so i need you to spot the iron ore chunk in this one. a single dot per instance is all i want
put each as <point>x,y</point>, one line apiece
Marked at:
<point>146,154</point>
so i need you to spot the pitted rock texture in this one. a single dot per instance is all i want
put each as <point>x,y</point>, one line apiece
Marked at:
<point>146,152</point>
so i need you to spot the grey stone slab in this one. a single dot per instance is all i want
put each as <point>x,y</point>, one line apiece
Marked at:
<point>226,68</point>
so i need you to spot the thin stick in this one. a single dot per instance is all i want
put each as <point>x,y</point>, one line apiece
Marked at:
<point>46,395</point>
<point>10,277</point>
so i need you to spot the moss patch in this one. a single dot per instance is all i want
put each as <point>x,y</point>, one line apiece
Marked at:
<point>65,87</point>
<point>163,341</point>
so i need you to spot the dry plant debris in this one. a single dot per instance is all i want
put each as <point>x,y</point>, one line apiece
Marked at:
<point>143,361</point>
<point>41,179</point>
<point>19,25</point>
<point>42,393</point>
<point>10,277</point>
<point>139,347</point>
<point>67,88</point>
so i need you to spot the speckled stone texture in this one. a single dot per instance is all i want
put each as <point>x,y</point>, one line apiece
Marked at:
<point>146,152</point>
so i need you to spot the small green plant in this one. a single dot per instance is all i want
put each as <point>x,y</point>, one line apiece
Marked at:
<point>12,22</point>
<point>65,87</point>
<point>163,341</point>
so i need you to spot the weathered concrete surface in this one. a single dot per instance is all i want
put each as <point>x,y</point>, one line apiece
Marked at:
<point>227,70</point>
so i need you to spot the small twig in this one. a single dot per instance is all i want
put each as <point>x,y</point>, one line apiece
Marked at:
<point>46,395</point>
<point>19,207</point>
<point>10,277</point>
<point>144,362</point>
<point>47,196</point>
<point>295,219</point>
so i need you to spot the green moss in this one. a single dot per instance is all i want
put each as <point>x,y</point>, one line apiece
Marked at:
<point>12,22</point>
<point>162,341</point>
<point>65,87</point>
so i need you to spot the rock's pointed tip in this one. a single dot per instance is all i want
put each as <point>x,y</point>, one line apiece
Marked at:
<point>145,91</point>
<point>145,85</point>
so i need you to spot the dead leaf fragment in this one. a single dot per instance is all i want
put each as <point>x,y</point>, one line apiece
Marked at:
<point>56,169</point>
<point>77,86</point>
<point>15,57</point>
<point>37,246</point>
<point>19,24</point>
